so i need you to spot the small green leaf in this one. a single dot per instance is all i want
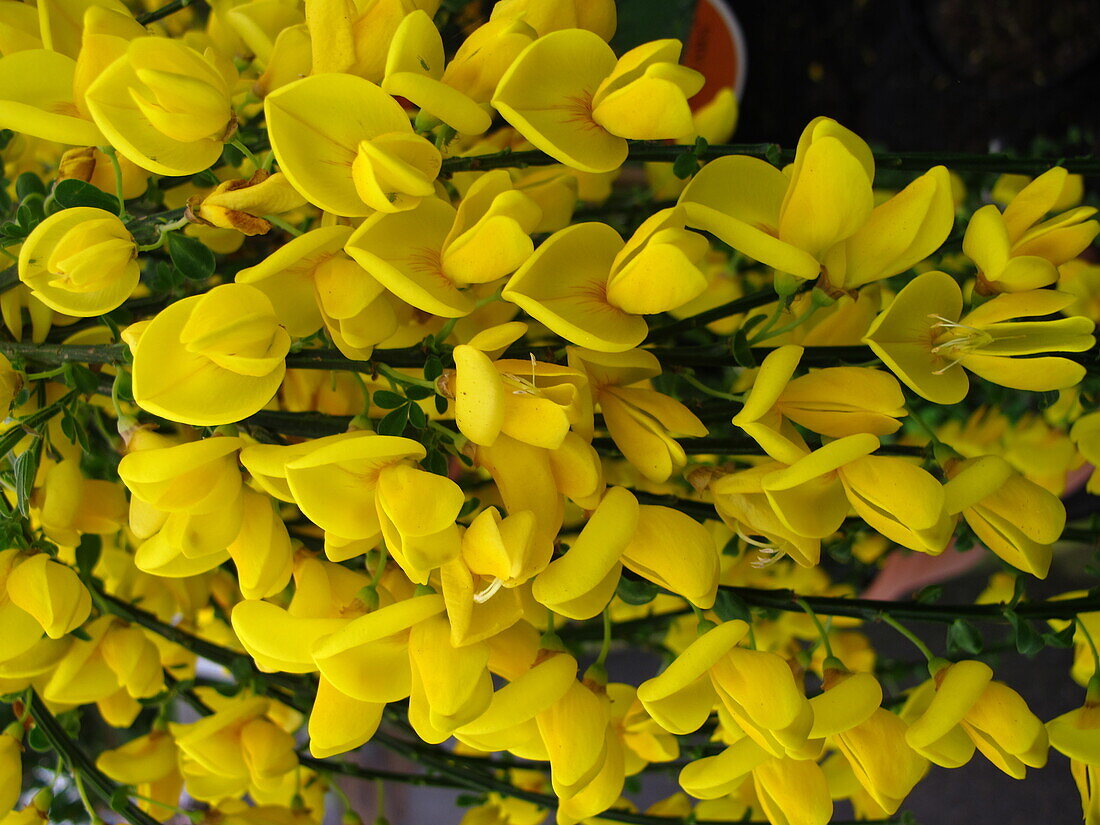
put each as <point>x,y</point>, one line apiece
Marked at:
<point>120,799</point>
<point>418,393</point>
<point>37,740</point>
<point>685,165</point>
<point>742,352</point>
<point>388,400</point>
<point>29,183</point>
<point>393,423</point>
<point>730,606</point>
<point>70,193</point>
<point>440,404</point>
<point>928,595</point>
<point>190,256</point>
<point>436,462</point>
<point>87,553</point>
<point>963,636</point>
<point>433,367</point>
<point>469,506</point>
<point>80,378</point>
<point>1028,640</point>
<point>636,591</point>
<point>26,468</point>
<point>417,417</point>
<point>1063,638</point>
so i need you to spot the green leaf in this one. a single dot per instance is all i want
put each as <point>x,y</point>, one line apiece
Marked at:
<point>440,404</point>
<point>37,740</point>
<point>388,400</point>
<point>742,352</point>
<point>436,462</point>
<point>70,193</point>
<point>685,165</point>
<point>929,595</point>
<point>393,423</point>
<point>469,506</point>
<point>1028,640</point>
<point>636,591</point>
<point>120,799</point>
<point>730,606</point>
<point>417,417</point>
<point>190,256</point>
<point>963,636</point>
<point>1063,638</point>
<point>26,468</point>
<point>418,393</point>
<point>29,183</point>
<point>87,553</point>
<point>80,378</point>
<point>433,367</point>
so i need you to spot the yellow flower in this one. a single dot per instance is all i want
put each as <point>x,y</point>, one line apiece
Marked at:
<point>415,71</point>
<point>149,763</point>
<point>37,98</point>
<point>68,505</point>
<point>428,255</point>
<point>80,261</point>
<point>346,38</point>
<point>498,556</point>
<point>210,359</point>
<point>485,55</point>
<point>10,383</point>
<point>574,729</point>
<point>818,217</point>
<point>1076,735</point>
<point>681,698</point>
<point>348,147</point>
<point>921,338</point>
<point>311,283</point>
<point>567,94</point>
<point>451,685</point>
<point>871,739</point>
<point>1085,434</point>
<point>530,401</point>
<point>50,592</point>
<point>11,772</point>
<point>581,583</point>
<point>1082,280</point>
<point>642,422</point>
<point>591,288</point>
<point>692,571</point>
<point>546,16</point>
<point>237,746</point>
<point>1010,514</point>
<point>165,106</point>
<point>835,401</point>
<point>1013,251</point>
<point>961,709</point>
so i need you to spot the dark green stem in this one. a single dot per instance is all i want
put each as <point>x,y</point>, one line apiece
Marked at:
<point>9,279</point>
<point>36,419</point>
<point>164,11</point>
<point>80,764</point>
<point>773,153</point>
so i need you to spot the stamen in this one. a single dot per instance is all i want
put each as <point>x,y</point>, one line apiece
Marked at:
<point>490,591</point>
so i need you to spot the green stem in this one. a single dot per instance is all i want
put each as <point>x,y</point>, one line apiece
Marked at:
<point>238,144</point>
<point>9,279</point>
<point>164,11</point>
<point>110,152</point>
<point>908,634</point>
<point>817,623</point>
<point>400,377</point>
<point>776,155</point>
<point>689,378</point>
<point>1092,645</point>
<point>14,435</point>
<point>289,228</point>
<point>80,764</point>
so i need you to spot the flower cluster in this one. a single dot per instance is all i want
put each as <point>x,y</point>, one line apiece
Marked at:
<point>358,388</point>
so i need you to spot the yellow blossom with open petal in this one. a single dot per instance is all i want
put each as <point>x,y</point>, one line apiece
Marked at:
<point>923,335</point>
<point>961,709</point>
<point>567,94</point>
<point>348,147</point>
<point>429,255</point>
<point>1013,251</point>
<point>592,289</point>
<point>818,217</point>
<point>165,106</point>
